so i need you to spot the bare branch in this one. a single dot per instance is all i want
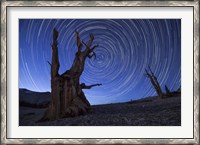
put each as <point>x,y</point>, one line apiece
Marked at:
<point>49,63</point>
<point>83,86</point>
<point>78,42</point>
<point>92,49</point>
<point>93,54</point>
<point>90,41</point>
<point>91,36</point>
<point>154,77</point>
<point>84,43</point>
<point>147,74</point>
<point>150,70</point>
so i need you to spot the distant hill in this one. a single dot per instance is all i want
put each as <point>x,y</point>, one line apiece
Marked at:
<point>34,99</point>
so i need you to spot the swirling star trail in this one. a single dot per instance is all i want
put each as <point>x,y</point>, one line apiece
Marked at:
<point>126,48</point>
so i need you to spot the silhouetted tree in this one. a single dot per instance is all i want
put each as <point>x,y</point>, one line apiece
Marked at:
<point>154,82</point>
<point>168,92</point>
<point>67,97</point>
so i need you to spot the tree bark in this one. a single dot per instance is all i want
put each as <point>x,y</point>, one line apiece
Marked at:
<point>67,97</point>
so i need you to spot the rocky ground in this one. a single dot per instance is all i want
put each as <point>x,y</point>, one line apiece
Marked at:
<point>145,112</point>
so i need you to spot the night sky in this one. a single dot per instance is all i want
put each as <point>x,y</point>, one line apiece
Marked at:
<point>126,48</point>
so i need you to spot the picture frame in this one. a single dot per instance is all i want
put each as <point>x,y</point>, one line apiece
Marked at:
<point>5,5</point>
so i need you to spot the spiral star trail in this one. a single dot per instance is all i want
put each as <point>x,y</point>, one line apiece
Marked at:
<point>126,48</point>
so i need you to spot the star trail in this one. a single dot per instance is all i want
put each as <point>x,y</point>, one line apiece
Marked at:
<point>126,48</point>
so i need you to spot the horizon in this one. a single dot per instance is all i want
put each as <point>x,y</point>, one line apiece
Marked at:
<point>94,104</point>
<point>126,48</point>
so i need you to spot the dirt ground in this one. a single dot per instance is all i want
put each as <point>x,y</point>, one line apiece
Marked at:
<point>147,112</point>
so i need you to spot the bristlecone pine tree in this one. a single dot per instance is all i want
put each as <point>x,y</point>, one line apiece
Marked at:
<point>168,93</point>
<point>154,82</point>
<point>67,97</point>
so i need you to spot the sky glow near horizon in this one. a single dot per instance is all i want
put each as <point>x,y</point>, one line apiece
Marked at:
<point>126,48</point>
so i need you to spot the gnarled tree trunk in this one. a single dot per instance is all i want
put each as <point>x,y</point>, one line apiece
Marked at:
<point>67,97</point>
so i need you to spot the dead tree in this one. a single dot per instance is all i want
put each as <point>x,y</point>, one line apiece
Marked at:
<point>168,92</point>
<point>83,86</point>
<point>154,82</point>
<point>67,97</point>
